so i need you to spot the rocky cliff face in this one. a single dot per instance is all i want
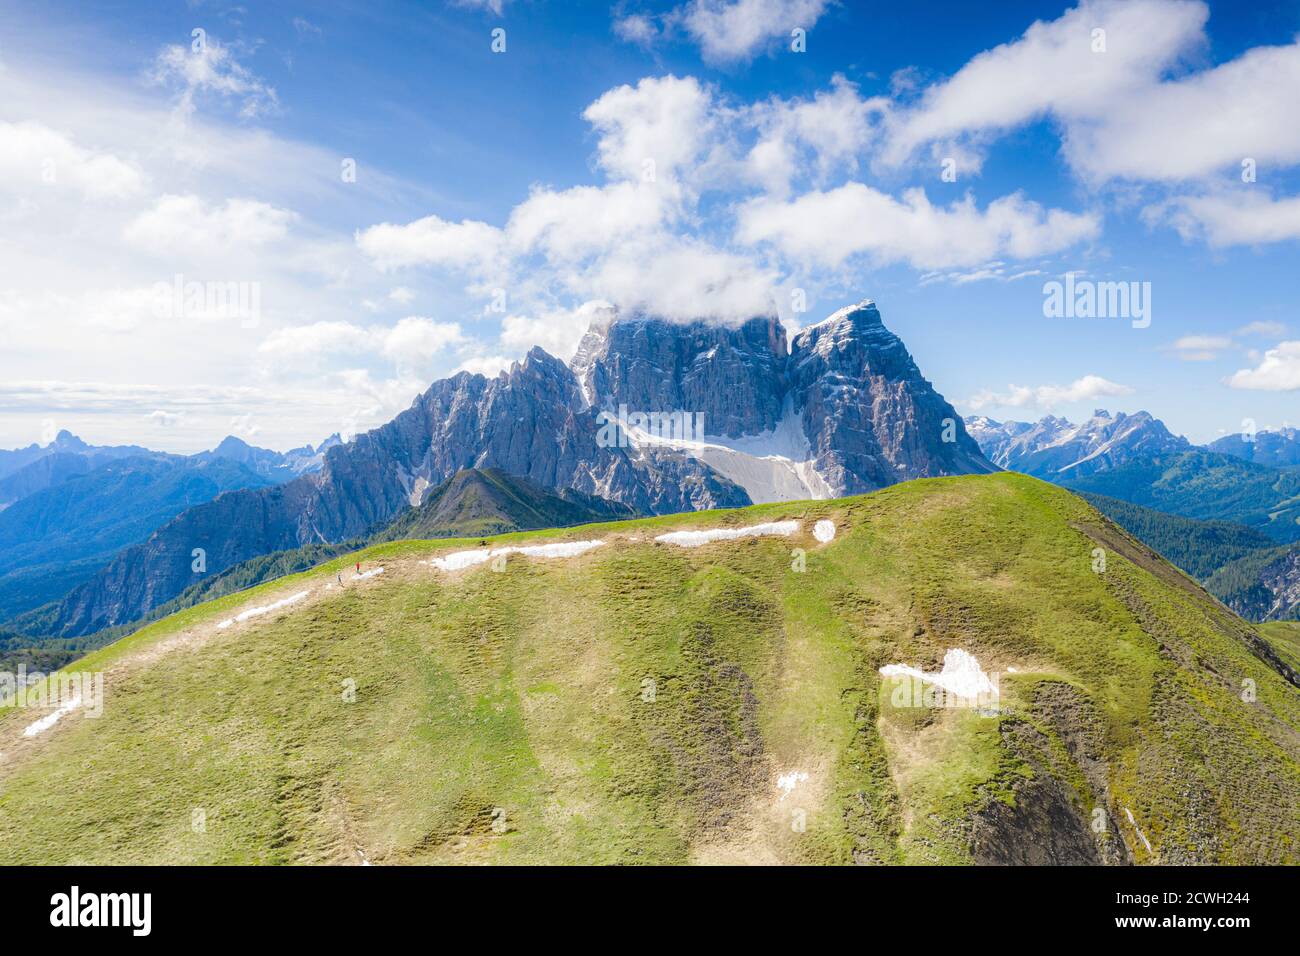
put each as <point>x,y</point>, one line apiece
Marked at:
<point>869,415</point>
<point>734,377</point>
<point>844,411</point>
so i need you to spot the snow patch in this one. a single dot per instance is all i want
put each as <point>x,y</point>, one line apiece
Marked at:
<point>775,465</point>
<point>824,531</point>
<point>49,720</point>
<point>368,574</point>
<point>786,782</point>
<point>693,539</point>
<point>961,674</point>
<point>265,609</point>
<point>459,560</point>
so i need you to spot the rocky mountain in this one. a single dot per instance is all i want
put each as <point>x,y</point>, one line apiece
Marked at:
<point>1277,449</point>
<point>1056,449</point>
<point>843,410</point>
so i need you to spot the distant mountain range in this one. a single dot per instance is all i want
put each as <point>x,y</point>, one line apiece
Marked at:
<point>67,507</point>
<point>1277,449</point>
<point>841,410</point>
<point>1219,512</point>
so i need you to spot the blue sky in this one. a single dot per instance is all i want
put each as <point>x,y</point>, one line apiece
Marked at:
<point>502,200</point>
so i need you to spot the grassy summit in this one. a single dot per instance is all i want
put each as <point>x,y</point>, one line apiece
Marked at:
<point>646,703</point>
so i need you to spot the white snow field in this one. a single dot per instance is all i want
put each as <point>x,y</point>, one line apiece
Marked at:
<point>771,466</point>
<point>265,609</point>
<point>961,675</point>
<point>693,539</point>
<point>50,719</point>
<point>368,574</point>
<point>459,560</point>
<point>824,531</point>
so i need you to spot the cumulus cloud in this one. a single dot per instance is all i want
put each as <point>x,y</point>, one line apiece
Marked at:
<point>1278,371</point>
<point>654,128</point>
<point>488,365</point>
<point>191,222</point>
<point>467,245</point>
<point>1053,69</point>
<point>825,228</point>
<point>800,136</point>
<point>558,331</point>
<point>32,155</point>
<point>1045,397</point>
<point>412,341</point>
<point>1244,216</point>
<point>732,30</point>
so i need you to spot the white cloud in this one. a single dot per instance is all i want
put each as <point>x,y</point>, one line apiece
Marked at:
<point>558,331</point>
<point>1053,69</point>
<point>826,228</point>
<point>636,28</point>
<point>731,30</point>
<point>1048,396</point>
<point>1201,348</point>
<point>1120,115</point>
<point>165,419</point>
<point>413,341</point>
<point>1242,217</point>
<point>1265,329</point>
<point>468,245</point>
<point>33,156</point>
<point>488,365</point>
<point>990,271</point>
<point>585,220</point>
<point>174,222</point>
<point>813,135</point>
<point>1278,371</point>
<point>493,6</point>
<point>664,121</point>
<point>211,70</point>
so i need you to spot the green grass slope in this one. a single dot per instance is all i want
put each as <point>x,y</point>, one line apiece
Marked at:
<point>640,703</point>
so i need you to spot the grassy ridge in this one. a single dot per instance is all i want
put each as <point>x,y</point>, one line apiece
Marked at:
<point>638,704</point>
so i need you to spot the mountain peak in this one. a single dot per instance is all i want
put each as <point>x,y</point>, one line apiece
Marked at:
<point>66,441</point>
<point>861,313</point>
<point>231,444</point>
